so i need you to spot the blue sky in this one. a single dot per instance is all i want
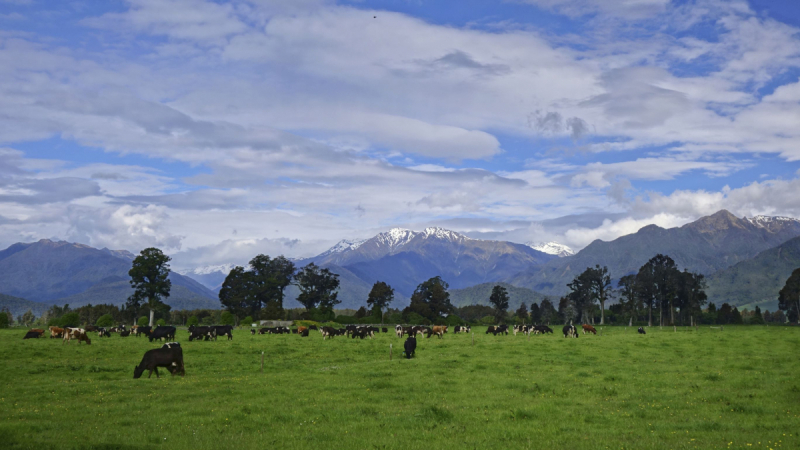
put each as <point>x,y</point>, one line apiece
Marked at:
<point>218,130</point>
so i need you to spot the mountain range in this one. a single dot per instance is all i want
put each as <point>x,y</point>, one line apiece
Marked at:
<point>746,260</point>
<point>58,272</point>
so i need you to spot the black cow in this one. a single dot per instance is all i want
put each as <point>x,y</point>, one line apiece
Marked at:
<point>641,330</point>
<point>304,333</point>
<point>362,332</point>
<point>124,333</point>
<point>542,329</point>
<point>204,333</point>
<point>252,331</point>
<point>384,330</point>
<point>570,331</point>
<point>501,329</point>
<point>162,333</point>
<point>31,334</point>
<point>328,332</point>
<point>143,330</point>
<point>313,327</point>
<point>171,358</point>
<point>410,345</point>
<point>224,330</point>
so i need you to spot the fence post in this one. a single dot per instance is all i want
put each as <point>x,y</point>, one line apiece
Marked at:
<point>262,362</point>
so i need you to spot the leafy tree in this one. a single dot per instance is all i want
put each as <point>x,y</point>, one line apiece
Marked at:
<point>361,313</point>
<point>27,319</point>
<point>149,279</point>
<point>535,314</point>
<point>690,293</point>
<point>4,322</point>
<point>473,313</point>
<point>736,316</point>
<point>248,320</point>
<point>70,319</point>
<point>227,318</point>
<point>237,292</point>
<point>548,311</point>
<point>522,311</point>
<point>499,299</point>
<point>380,297</point>
<point>143,321</point>
<point>789,296</point>
<point>269,279</point>
<point>106,320</point>
<point>208,320</point>
<point>431,300</point>
<point>725,314</point>
<point>629,297</point>
<point>318,288</point>
<point>161,322</point>
<point>657,285</point>
<point>193,320</point>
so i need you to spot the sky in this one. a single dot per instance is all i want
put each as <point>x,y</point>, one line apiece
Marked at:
<point>219,130</point>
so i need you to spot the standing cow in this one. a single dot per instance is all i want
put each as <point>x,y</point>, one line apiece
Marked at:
<point>641,330</point>
<point>170,357</point>
<point>570,331</point>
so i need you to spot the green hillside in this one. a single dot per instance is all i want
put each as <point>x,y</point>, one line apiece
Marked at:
<point>479,295</point>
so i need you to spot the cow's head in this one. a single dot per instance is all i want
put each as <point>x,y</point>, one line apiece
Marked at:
<point>138,371</point>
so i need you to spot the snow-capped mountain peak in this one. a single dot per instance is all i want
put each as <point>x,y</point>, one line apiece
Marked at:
<point>762,221</point>
<point>396,237</point>
<point>205,270</point>
<point>344,245</point>
<point>442,233</point>
<point>551,248</point>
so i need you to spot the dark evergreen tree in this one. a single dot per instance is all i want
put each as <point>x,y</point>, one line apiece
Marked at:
<point>361,313</point>
<point>758,318</point>
<point>318,288</point>
<point>548,311</point>
<point>789,297</point>
<point>379,298</point>
<point>535,314</point>
<point>522,312</point>
<point>237,294</point>
<point>431,300</point>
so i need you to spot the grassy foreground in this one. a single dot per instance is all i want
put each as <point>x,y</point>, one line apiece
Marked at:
<point>737,388</point>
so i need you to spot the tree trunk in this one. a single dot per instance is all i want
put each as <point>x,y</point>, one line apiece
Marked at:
<point>602,313</point>
<point>152,313</point>
<point>650,316</point>
<point>630,321</point>
<point>671,315</point>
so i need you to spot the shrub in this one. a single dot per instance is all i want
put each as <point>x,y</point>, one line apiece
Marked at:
<point>208,320</point>
<point>192,321</point>
<point>227,318</point>
<point>69,320</point>
<point>3,319</point>
<point>248,320</point>
<point>105,320</point>
<point>453,320</point>
<point>143,321</point>
<point>415,319</point>
<point>488,320</point>
<point>161,322</point>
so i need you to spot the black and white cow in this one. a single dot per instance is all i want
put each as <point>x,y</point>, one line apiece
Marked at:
<point>171,358</point>
<point>409,347</point>
<point>570,331</point>
<point>162,333</point>
<point>461,329</point>
<point>641,330</point>
<point>202,333</point>
<point>328,332</point>
<point>223,330</point>
<point>542,329</point>
<point>171,345</point>
<point>252,331</point>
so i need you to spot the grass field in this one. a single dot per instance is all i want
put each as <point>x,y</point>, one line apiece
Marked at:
<point>737,388</point>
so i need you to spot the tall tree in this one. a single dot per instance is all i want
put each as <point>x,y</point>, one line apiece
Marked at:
<point>431,300</point>
<point>380,297</point>
<point>789,296</point>
<point>318,288</point>
<point>535,314</point>
<point>149,280</point>
<point>566,309</point>
<point>499,299</point>
<point>522,312</point>
<point>629,297</point>
<point>548,311</point>
<point>270,277</point>
<point>237,293</point>
<point>580,297</point>
<point>657,283</point>
<point>601,286</point>
<point>690,294</point>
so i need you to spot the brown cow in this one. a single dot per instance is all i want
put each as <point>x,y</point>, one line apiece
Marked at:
<point>56,332</point>
<point>588,329</point>
<point>301,329</point>
<point>38,330</point>
<point>76,333</point>
<point>440,330</point>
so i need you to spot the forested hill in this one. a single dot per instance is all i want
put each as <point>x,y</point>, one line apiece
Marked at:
<point>479,295</point>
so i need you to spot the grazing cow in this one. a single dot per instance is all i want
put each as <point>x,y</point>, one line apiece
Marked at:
<point>542,329</point>
<point>423,330</point>
<point>462,329</point>
<point>361,332</point>
<point>124,333</point>
<point>313,327</point>
<point>76,333</point>
<point>38,330</point>
<point>502,329</point>
<point>91,328</point>
<point>439,330</point>
<point>32,335</point>
<point>328,332</point>
<point>304,333</point>
<point>301,329</point>
<point>171,345</point>
<point>203,333</point>
<point>570,331</point>
<point>56,332</point>
<point>162,333</point>
<point>102,332</point>
<point>641,330</point>
<point>171,358</point>
<point>588,329</point>
<point>384,330</point>
<point>224,330</point>
<point>138,331</point>
<point>410,346</point>
<point>252,331</point>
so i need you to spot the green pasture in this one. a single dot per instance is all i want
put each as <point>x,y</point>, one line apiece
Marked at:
<point>737,388</point>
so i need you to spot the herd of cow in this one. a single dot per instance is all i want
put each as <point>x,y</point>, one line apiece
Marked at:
<point>170,355</point>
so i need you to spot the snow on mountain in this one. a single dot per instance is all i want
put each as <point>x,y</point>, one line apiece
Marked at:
<point>551,248</point>
<point>762,221</point>
<point>205,270</point>
<point>344,245</point>
<point>441,233</point>
<point>396,237</point>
